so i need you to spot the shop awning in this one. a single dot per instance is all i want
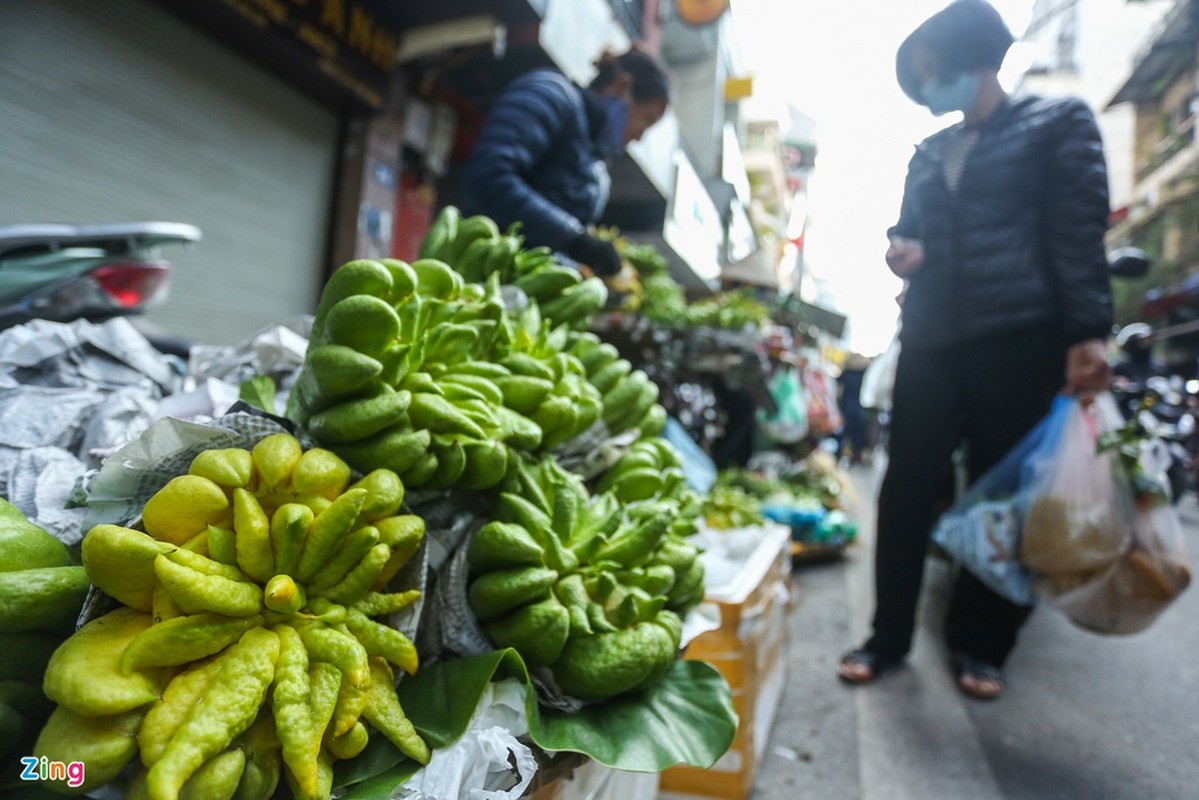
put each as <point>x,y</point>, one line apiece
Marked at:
<point>659,198</point>
<point>407,14</point>
<point>636,203</point>
<point>1166,56</point>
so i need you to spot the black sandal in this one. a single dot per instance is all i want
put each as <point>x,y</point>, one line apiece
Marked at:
<point>862,665</point>
<point>967,670</point>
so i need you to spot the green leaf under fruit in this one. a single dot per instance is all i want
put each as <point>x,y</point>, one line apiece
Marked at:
<point>259,392</point>
<point>685,718</point>
<point>375,772</point>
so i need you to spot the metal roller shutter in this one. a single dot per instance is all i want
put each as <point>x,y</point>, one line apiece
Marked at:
<point>118,112</point>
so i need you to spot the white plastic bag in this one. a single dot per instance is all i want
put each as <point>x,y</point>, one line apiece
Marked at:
<point>878,381</point>
<point>1140,585</point>
<point>1080,514</point>
<point>487,762</point>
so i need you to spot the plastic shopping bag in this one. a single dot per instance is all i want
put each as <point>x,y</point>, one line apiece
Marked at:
<point>1080,512</point>
<point>1128,596</point>
<point>981,531</point>
<point>824,415</point>
<point>1086,527</point>
<point>789,423</point>
<point>878,382</point>
<point>1054,509</point>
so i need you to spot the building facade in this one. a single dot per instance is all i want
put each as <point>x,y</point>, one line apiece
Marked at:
<point>1162,217</point>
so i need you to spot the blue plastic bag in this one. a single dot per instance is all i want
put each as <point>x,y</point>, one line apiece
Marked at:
<point>803,522</point>
<point>1054,509</point>
<point>699,469</point>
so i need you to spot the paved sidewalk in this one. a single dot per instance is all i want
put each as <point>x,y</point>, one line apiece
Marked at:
<point>1085,717</point>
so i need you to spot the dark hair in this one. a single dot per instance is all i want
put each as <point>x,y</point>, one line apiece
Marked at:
<point>965,36</point>
<point>650,81</point>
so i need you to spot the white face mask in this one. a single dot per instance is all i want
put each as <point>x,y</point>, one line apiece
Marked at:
<point>957,94</point>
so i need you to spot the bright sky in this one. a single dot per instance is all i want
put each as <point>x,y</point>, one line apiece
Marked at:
<point>835,61</point>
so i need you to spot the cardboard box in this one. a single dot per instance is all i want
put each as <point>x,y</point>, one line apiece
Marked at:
<point>749,650</point>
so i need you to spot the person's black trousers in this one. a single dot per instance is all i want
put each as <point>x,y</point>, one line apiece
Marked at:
<point>853,432</point>
<point>988,394</point>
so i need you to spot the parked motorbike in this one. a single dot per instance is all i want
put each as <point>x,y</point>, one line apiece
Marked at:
<point>92,272</point>
<point>1163,406</point>
<point>1128,262</point>
<point>1163,410</point>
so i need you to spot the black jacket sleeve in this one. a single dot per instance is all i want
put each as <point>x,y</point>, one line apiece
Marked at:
<point>523,126</point>
<point>1076,216</point>
<point>908,226</point>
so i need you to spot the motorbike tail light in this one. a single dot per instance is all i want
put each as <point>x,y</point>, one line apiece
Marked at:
<point>108,290</point>
<point>132,285</point>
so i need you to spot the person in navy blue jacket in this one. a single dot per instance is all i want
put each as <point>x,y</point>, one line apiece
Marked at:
<point>1000,237</point>
<point>540,159</point>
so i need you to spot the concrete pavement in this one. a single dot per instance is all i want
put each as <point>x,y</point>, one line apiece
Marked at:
<point>1085,717</point>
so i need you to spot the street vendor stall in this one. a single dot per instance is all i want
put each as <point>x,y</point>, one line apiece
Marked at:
<point>429,541</point>
<point>375,573</point>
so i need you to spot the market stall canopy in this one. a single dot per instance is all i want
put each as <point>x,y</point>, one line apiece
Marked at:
<point>800,313</point>
<point>754,270</point>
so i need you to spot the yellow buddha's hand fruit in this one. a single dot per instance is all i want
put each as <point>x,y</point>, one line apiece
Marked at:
<point>184,508</point>
<point>85,674</point>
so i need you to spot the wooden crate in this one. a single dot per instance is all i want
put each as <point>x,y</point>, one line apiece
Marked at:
<point>749,650</point>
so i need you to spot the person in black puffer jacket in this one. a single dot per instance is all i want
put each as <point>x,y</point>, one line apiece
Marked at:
<point>541,156</point>
<point>1000,237</point>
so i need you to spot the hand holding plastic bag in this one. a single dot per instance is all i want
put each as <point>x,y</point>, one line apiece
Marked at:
<point>1059,518</point>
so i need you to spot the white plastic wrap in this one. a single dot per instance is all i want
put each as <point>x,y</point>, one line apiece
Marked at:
<point>594,451</point>
<point>487,762</point>
<point>166,449</point>
<point>276,350</point>
<point>70,394</point>
<point>727,552</point>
